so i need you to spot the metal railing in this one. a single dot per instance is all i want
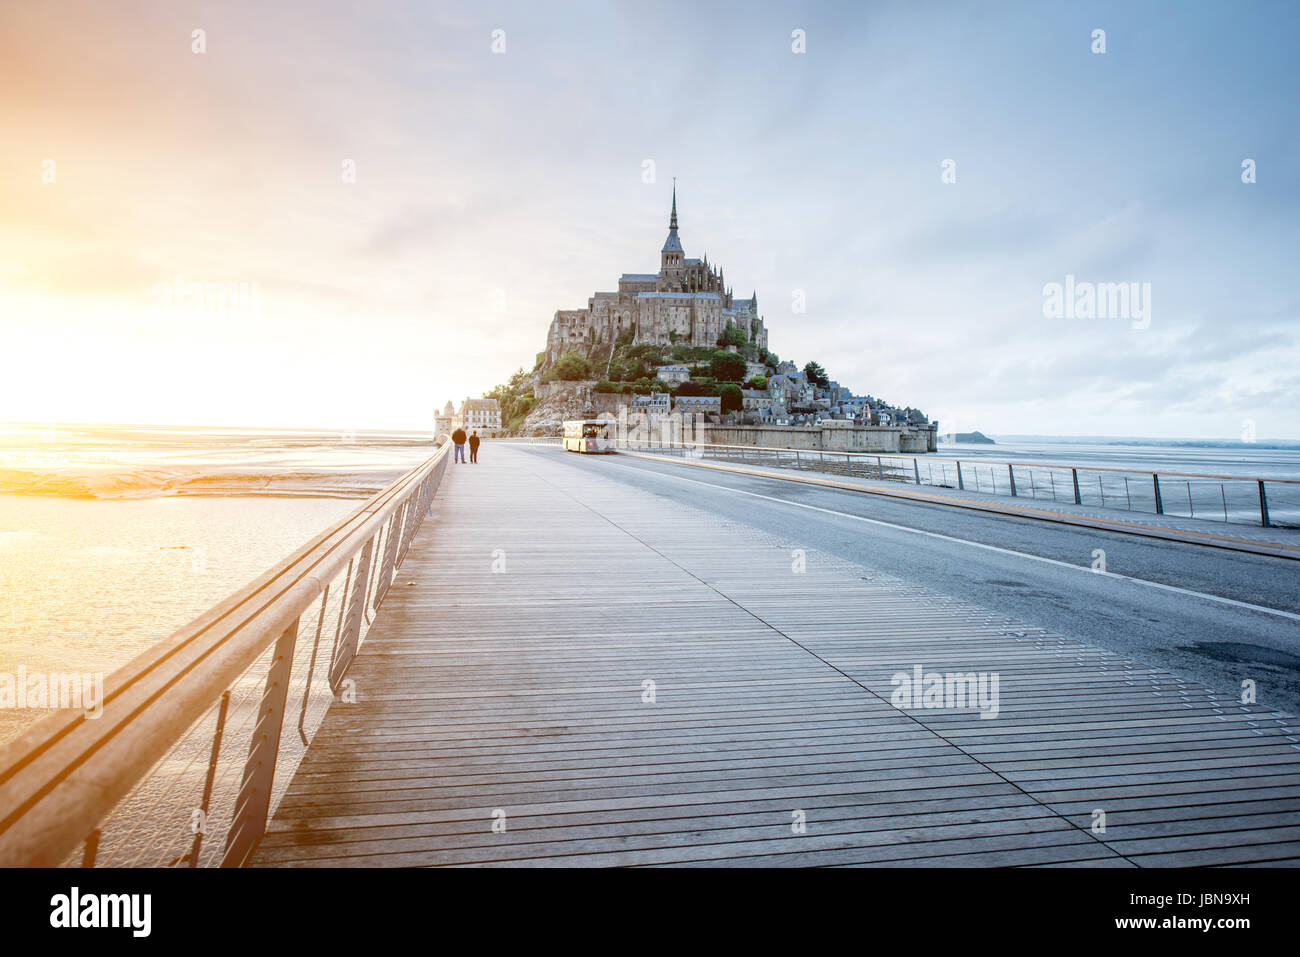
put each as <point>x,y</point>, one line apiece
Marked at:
<point>1232,499</point>
<point>199,736</point>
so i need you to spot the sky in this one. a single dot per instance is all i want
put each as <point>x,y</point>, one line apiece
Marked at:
<point>407,192</point>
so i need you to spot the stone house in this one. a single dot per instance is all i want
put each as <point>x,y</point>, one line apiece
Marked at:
<point>673,375</point>
<point>698,403</point>
<point>654,402</point>
<point>480,415</point>
<point>755,400</point>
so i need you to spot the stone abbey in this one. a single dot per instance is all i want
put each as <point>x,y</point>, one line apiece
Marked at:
<point>686,302</point>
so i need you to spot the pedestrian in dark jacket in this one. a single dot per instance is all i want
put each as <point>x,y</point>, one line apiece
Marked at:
<point>474,440</point>
<point>458,437</point>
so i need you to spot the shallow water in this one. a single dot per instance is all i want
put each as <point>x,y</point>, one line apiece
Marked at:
<point>125,535</point>
<point>1244,462</point>
<point>113,462</point>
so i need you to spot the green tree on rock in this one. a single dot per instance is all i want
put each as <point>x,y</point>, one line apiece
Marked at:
<point>817,375</point>
<point>733,336</point>
<point>733,400</point>
<point>571,367</point>
<point>728,366</point>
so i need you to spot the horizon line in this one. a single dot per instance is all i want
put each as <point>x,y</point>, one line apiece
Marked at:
<point>408,431</point>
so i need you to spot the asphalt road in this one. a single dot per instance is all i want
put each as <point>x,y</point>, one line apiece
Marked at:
<point>998,562</point>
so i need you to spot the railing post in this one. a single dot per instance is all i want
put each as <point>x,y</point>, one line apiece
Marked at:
<point>410,520</point>
<point>916,472</point>
<point>1263,506</point>
<point>880,469</point>
<point>254,801</point>
<point>387,568</point>
<point>91,849</point>
<point>356,605</point>
<point>1074,476</point>
<point>1155,483</point>
<point>1011,474</point>
<point>821,457</point>
<point>960,484</point>
<point>213,757</point>
<point>311,667</point>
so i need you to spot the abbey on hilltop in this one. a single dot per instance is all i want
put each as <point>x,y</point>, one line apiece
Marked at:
<point>686,302</point>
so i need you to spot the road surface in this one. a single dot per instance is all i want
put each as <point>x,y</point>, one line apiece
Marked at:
<point>1213,616</point>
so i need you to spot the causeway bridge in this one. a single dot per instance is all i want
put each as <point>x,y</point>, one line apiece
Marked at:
<point>547,659</point>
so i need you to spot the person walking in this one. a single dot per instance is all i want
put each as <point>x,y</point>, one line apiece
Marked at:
<point>474,440</point>
<point>458,437</point>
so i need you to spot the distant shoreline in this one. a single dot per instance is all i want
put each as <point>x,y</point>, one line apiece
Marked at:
<point>1280,445</point>
<point>419,437</point>
<point>118,485</point>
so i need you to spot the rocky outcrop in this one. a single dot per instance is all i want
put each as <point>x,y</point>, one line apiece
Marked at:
<point>561,401</point>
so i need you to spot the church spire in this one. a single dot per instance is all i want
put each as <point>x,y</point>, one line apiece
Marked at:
<point>671,254</point>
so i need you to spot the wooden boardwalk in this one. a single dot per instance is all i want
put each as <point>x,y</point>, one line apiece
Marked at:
<point>506,682</point>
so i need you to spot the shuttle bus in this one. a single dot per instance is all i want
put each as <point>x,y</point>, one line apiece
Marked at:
<point>589,435</point>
